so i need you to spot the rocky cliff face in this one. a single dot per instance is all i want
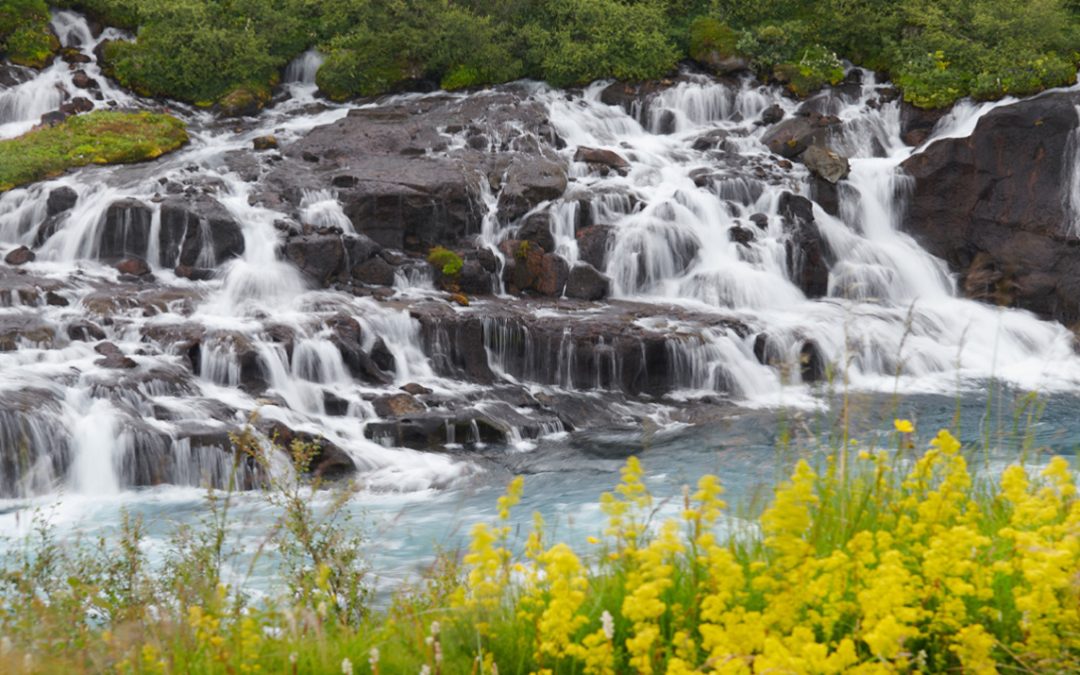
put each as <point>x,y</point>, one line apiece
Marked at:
<point>994,206</point>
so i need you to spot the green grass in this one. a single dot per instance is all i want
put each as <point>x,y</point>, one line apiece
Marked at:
<point>102,137</point>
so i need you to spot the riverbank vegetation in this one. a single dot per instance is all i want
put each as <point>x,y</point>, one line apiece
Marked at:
<point>936,50</point>
<point>100,137</point>
<point>867,561</point>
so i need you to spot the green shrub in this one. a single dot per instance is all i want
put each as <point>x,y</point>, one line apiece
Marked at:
<point>446,261</point>
<point>709,36</point>
<point>578,41</point>
<point>25,36</point>
<point>101,137</point>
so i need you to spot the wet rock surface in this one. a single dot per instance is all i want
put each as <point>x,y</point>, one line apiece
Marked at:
<point>994,206</point>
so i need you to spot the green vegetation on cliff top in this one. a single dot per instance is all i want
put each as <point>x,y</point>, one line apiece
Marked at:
<point>25,36</point>
<point>936,50</point>
<point>103,137</point>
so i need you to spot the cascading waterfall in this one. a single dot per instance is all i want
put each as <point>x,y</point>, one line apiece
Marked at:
<point>698,227</point>
<point>884,290</point>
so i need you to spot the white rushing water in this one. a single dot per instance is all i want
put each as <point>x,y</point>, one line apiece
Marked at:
<point>892,309</point>
<point>891,317</point>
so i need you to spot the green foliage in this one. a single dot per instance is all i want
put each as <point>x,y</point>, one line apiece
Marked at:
<point>101,137</point>
<point>119,13</point>
<point>577,41</point>
<point>709,36</point>
<point>25,36</point>
<point>936,50</point>
<point>445,260</point>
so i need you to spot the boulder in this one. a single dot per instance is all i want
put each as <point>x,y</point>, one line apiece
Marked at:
<point>994,206</point>
<point>382,356</point>
<point>320,257</point>
<point>19,256</point>
<point>77,106</point>
<point>197,231</point>
<point>264,143</point>
<point>599,157</point>
<point>529,268</point>
<point>114,357</point>
<point>805,248</point>
<point>528,183</point>
<point>475,279</point>
<point>60,200</point>
<point>126,231</point>
<point>397,405</point>
<point>135,267</point>
<point>536,228</point>
<point>585,283</point>
<point>916,124</point>
<point>83,81</point>
<point>772,114</point>
<point>375,271</point>
<point>328,462</point>
<point>594,244</point>
<point>794,135</point>
<point>826,163</point>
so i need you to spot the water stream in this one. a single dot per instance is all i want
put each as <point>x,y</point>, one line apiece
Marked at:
<point>92,440</point>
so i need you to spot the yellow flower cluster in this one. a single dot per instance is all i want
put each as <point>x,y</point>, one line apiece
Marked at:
<point>903,568</point>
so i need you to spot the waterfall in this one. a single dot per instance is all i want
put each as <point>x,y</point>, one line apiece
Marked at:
<point>1072,183</point>
<point>728,286</point>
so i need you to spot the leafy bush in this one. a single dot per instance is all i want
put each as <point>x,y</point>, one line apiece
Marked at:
<point>709,36</point>
<point>25,35</point>
<point>201,50</point>
<point>100,137</point>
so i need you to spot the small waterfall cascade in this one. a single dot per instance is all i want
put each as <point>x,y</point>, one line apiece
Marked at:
<point>1071,196</point>
<point>116,377</point>
<point>22,105</point>
<point>701,222</point>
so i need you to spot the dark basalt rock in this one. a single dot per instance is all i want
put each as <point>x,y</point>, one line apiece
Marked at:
<point>329,461</point>
<point>529,182</point>
<point>400,182</point>
<point>992,205</point>
<point>608,159</point>
<point>19,256</point>
<point>826,164</point>
<point>114,357</point>
<point>807,252</point>
<point>126,231</point>
<point>794,135</point>
<point>529,269</point>
<point>199,232</point>
<point>60,200</point>
<point>611,350</point>
<point>536,228</point>
<point>594,244</point>
<point>586,283</point>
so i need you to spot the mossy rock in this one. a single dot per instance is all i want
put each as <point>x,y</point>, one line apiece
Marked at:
<point>101,137</point>
<point>244,101</point>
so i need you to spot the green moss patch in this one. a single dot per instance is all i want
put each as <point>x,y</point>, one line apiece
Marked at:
<point>103,137</point>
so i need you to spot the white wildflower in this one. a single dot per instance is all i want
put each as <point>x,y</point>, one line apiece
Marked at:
<point>373,658</point>
<point>608,624</point>
<point>293,658</point>
<point>346,666</point>
<point>435,628</point>
<point>425,669</point>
